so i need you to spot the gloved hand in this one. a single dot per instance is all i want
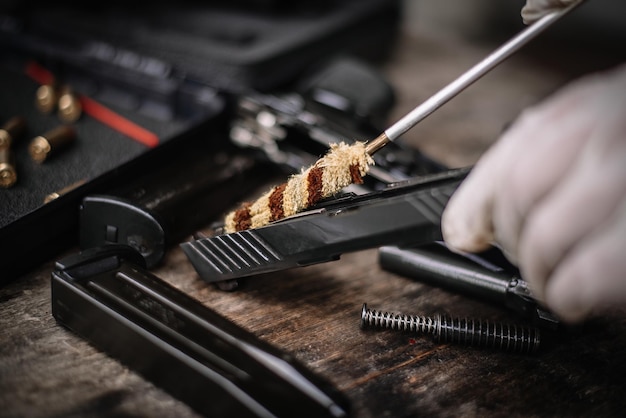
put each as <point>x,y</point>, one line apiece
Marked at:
<point>536,9</point>
<point>552,194</point>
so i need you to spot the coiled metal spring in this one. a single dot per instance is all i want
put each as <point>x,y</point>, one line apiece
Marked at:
<point>471,332</point>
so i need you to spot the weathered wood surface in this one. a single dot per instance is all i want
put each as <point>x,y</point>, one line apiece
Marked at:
<point>313,312</point>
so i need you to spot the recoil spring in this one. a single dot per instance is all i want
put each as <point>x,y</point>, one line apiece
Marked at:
<point>469,332</point>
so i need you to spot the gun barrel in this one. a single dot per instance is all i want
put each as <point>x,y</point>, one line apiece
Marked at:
<point>470,275</point>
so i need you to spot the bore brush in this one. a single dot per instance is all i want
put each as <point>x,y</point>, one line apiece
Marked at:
<point>347,164</point>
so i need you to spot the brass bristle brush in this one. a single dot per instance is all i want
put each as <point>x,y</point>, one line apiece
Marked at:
<point>347,164</point>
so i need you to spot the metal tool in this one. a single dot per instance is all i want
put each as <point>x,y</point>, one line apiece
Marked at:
<point>466,79</point>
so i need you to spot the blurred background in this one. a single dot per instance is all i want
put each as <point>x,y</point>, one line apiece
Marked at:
<point>602,20</point>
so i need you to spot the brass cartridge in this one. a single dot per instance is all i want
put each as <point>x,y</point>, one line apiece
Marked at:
<point>11,130</point>
<point>46,98</point>
<point>69,107</point>
<point>42,147</point>
<point>55,195</point>
<point>8,175</point>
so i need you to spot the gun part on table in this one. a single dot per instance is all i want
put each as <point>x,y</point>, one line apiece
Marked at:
<point>106,296</point>
<point>487,277</point>
<point>404,214</point>
<point>292,132</point>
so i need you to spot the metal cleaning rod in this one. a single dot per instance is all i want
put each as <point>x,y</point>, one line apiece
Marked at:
<point>466,79</point>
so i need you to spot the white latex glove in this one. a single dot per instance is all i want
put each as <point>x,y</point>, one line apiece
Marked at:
<point>552,194</point>
<point>534,10</point>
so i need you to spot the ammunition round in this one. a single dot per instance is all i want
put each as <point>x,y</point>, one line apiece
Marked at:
<point>55,195</point>
<point>43,146</point>
<point>69,106</point>
<point>8,175</point>
<point>46,98</point>
<point>11,130</point>
<point>39,149</point>
<point>5,139</point>
<point>50,197</point>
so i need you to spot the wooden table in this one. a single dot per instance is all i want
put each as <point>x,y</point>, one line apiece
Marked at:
<point>313,312</point>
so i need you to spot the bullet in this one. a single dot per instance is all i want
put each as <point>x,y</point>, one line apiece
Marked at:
<point>69,106</point>
<point>55,195</point>
<point>46,98</point>
<point>8,176</point>
<point>42,147</point>
<point>12,130</point>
